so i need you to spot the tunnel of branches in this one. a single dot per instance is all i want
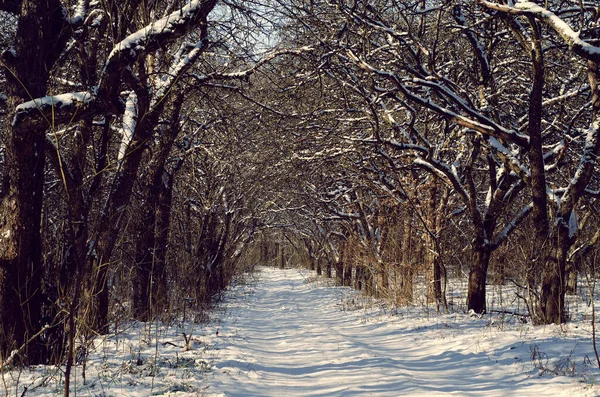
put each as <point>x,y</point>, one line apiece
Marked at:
<point>419,151</point>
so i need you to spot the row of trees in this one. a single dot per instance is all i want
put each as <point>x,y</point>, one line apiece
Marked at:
<point>474,122</point>
<point>157,146</point>
<point>128,164</point>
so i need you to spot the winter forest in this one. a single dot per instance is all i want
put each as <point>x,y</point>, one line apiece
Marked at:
<point>427,156</point>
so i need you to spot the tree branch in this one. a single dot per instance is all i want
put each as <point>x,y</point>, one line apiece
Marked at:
<point>570,37</point>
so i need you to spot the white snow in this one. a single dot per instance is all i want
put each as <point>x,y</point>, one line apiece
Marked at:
<point>56,100</point>
<point>571,37</point>
<point>573,225</point>
<point>285,335</point>
<point>137,40</point>
<point>128,124</point>
<point>43,104</point>
<point>560,26</point>
<point>79,12</point>
<point>294,338</point>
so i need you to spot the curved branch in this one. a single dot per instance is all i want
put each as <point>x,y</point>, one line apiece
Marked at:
<point>151,38</point>
<point>570,37</point>
<point>484,126</point>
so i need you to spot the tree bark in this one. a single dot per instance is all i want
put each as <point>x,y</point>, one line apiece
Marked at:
<point>405,269</point>
<point>552,295</point>
<point>552,292</point>
<point>477,278</point>
<point>319,267</point>
<point>153,223</point>
<point>113,215</point>
<point>39,42</point>
<point>432,262</point>
<point>339,272</point>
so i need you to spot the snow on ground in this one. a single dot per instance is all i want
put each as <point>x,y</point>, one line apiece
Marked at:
<point>285,335</point>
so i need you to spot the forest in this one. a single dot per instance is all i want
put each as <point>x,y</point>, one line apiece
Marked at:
<point>153,150</point>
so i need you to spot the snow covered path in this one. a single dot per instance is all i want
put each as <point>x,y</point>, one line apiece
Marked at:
<point>292,338</point>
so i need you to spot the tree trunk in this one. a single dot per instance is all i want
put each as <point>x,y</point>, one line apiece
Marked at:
<point>571,287</point>
<point>405,269</point>
<point>369,286</point>
<point>39,42</point>
<point>264,253</point>
<point>477,279</point>
<point>319,267</point>
<point>432,262</point>
<point>551,306</point>
<point>383,282</point>
<point>281,255</point>
<point>112,223</point>
<point>433,274</point>
<point>347,275</point>
<point>339,272</point>
<point>405,284</point>
<point>358,278</point>
<point>163,224</point>
<point>152,226</point>
<point>144,258</point>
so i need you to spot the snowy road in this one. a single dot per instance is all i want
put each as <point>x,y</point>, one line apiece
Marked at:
<point>287,337</point>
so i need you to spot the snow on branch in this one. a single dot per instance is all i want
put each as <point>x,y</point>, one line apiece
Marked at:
<point>446,174</point>
<point>571,38</point>
<point>177,70</point>
<point>152,37</point>
<point>129,122</point>
<point>586,166</point>
<point>483,125</point>
<point>406,146</point>
<point>478,47</point>
<point>513,162</point>
<point>243,74</point>
<point>54,109</point>
<point>512,225</point>
<point>80,12</point>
